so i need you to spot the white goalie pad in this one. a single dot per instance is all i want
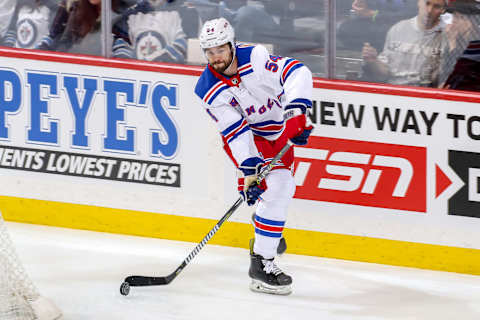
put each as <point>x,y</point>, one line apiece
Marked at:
<point>45,309</point>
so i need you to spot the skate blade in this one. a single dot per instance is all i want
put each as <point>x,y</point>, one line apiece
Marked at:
<point>259,286</point>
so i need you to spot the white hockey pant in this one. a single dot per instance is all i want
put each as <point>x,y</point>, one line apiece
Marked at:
<point>271,213</point>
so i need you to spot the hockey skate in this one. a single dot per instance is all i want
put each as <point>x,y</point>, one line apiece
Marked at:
<point>282,245</point>
<point>267,276</point>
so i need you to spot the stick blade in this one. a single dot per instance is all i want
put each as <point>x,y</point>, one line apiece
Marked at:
<point>141,281</point>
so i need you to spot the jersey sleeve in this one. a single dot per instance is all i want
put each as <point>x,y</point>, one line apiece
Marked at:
<point>297,85</point>
<point>291,76</point>
<point>232,126</point>
<point>235,132</point>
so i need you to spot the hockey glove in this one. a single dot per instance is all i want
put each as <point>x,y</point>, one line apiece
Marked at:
<point>248,187</point>
<point>296,128</point>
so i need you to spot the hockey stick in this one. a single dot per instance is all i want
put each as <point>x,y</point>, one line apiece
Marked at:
<point>141,281</point>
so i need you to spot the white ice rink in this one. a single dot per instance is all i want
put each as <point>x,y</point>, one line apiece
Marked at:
<point>82,271</point>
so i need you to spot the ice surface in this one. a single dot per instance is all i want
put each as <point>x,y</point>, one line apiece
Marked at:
<point>82,272</point>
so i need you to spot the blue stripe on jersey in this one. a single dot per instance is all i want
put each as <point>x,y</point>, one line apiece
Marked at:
<point>235,136</point>
<point>264,133</point>
<point>268,234</point>
<point>270,222</point>
<point>267,128</point>
<point>302,104</point>
<point>243,53</point>
<point>306,102</point>
<point>210,100</point>
<point>295,67</point>
<point>206,82</point>
<point>266,123</point>
<point>246,72</point>
<point>289,66</point>
<point>232,127</point>
<point>235,130</point>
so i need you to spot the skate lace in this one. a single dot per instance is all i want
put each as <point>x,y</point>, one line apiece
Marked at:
<point>271,267</point>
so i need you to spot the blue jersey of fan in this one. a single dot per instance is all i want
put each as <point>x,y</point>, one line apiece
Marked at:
<point>254,101</point>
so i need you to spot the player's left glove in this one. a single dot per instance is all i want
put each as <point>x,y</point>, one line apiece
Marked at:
<point>296,127</point>
<point>248,187</point>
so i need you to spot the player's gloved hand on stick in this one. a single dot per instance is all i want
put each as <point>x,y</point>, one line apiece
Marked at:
<point>296,127</point>
<point>248,187</point>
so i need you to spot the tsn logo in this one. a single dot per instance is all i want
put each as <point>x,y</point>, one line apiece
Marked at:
<point>362,173</point>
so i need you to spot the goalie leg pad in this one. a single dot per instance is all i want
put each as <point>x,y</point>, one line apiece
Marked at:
<point>45,309</point>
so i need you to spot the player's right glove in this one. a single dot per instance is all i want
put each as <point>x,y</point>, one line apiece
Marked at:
<point>296,127</point>
<point>248,187</point>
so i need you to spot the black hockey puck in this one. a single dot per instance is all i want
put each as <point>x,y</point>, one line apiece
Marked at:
<point>125,288</point>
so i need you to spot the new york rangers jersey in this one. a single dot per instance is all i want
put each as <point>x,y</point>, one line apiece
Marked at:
<point>254,101</point>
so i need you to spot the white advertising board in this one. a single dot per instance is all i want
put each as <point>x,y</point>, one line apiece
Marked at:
<point>132,135</point>
<point>113,137</point>
<point>391,166</point>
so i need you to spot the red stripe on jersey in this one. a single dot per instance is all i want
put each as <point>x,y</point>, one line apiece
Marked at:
<point>288,67</point>
<point>245,67</point>
<point>215,88</point>
<point>231,134</point>
<point>266,227</point>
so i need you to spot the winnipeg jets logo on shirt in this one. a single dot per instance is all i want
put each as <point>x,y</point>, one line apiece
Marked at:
<point>26,33</point>
<point>149,45</point>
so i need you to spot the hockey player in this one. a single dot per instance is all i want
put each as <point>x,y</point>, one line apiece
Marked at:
<point>258,101</point>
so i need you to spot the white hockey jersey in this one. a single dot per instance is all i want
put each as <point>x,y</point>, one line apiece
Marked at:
<point>254,101</point>
<point>32,25</point>
<point>156,34</point>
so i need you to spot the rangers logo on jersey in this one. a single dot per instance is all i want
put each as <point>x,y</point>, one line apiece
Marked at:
<point>149,45</point>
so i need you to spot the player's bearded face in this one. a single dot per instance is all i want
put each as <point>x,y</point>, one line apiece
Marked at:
<point>219,57</point>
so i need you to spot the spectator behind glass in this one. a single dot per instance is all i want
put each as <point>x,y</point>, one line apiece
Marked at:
<point>251,22</point>
<point>291,26</point>
<point>370,20</point>
<point>155,30</point>
<point>30,23</point>
<point>7,9</point>
<point>462,65</point>
<point>413,49</point>
<point>76,27</point>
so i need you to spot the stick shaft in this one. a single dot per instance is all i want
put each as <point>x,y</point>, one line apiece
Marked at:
<point>136,281</point>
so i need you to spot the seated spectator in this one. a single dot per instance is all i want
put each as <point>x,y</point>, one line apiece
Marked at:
<point>369,21</point>
<point>75,21</point>
<point>30,23</point>
<point>7,9</point>
<point>462,65</point>
<point>413,49</point>
<point>251,22</point>
<point>76,27</point>
<point>155,30</point>
<point>278,22</point>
